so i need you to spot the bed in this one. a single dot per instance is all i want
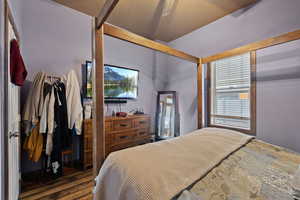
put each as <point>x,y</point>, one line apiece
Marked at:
<point>207,164</point>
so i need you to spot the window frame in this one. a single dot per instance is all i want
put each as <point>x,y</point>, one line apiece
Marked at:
<point>252,130</point>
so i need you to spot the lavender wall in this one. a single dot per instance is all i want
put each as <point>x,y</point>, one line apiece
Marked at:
<point>16,10</point>
<point>278,94</point>
<point>121,53</point>
<point>182,77</point>
<point>265,19</point>
<point>56,39</point>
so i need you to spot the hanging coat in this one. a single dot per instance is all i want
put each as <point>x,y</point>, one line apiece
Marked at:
<point>44,116</point>
<point>61,138</point>
<point>34,144</point>
<point>34,103</point>
<point>75,110</point>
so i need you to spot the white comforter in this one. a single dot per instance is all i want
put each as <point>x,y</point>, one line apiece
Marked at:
<point>160,171</point>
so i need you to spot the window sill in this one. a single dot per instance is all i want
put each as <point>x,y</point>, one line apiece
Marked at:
<point>248,132</point>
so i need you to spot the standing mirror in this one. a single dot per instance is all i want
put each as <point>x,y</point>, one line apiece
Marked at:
<point>167,116</point>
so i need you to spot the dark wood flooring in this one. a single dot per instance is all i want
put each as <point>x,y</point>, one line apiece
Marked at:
<point>77,185</point>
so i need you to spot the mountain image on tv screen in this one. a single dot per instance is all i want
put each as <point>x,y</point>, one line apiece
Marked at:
<point>120,83</point>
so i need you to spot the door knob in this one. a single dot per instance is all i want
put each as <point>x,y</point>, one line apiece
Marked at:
<point>15,134</point>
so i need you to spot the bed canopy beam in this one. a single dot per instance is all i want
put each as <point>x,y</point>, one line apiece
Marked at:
<point>295,35</point>
<point>128,36</point>
<point>104,13</point>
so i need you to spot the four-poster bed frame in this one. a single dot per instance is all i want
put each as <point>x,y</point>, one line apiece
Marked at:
<point>116,32</point>
<point>101,28</point>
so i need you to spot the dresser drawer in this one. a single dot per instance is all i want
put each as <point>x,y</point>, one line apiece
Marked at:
<point>143,122</point>
<point>142,132</point>
<point>123,137</point>
<point>122,146</point>
<point>122,124</point>
<point>88,127</point>
<point>107,126</point>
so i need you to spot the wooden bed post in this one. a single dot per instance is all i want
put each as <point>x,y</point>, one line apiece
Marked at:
<point>98,85</point>
<point>199,95</point>
<point>98,100</point>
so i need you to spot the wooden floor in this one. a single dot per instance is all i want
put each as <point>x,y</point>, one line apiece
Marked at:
<point>77,186</point>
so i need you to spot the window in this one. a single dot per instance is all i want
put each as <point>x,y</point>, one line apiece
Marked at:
<point>232,93</point>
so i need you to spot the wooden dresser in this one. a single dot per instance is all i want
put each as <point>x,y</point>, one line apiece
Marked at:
<point>87,144</point>
<point>120,133</point>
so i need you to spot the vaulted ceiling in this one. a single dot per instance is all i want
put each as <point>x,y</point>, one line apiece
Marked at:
<point>163,20</point>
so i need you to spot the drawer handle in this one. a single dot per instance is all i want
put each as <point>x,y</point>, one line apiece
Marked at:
<point>142,122</point>
<point>123,125</point>
<point>123,137</point>
<point>142,133</point>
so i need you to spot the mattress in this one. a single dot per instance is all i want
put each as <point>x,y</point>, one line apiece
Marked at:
<point>257,171</point>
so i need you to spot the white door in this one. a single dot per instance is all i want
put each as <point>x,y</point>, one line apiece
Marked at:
<point>14,119</point>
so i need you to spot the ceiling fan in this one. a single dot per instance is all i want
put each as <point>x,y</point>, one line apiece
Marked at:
<point>168,6</point>
<point>164,11</point>
<point>246,9</point>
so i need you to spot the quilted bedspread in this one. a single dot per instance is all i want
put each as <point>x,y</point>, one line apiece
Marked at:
<point>160,171</point>
<point>258,171</point>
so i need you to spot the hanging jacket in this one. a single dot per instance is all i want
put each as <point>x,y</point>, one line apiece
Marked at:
<point>44,116</point>
<point>34,103</point>
<point>50,122</point>
<point>34,144</point>
<point>75,111</point>
<point>61,138</point>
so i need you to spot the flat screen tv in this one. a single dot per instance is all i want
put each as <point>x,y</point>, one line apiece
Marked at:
<point>120,82</point>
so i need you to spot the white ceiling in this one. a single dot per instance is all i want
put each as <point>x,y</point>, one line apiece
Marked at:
<point>146,17</point>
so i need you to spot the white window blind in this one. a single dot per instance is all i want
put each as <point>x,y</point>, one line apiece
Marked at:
<point>230,92</point>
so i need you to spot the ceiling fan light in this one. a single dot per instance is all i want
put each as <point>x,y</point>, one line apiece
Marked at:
<point>168,5</point>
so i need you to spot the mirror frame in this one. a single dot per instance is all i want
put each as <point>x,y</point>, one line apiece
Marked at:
<point>177,116</point>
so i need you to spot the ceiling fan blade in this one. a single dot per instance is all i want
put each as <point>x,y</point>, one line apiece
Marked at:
<point>164,11</point>
<point>156,19</point>
<point>246,9</point>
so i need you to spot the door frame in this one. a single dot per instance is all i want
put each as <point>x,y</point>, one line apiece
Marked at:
<point>2,101</point>
<point>8,18</point>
